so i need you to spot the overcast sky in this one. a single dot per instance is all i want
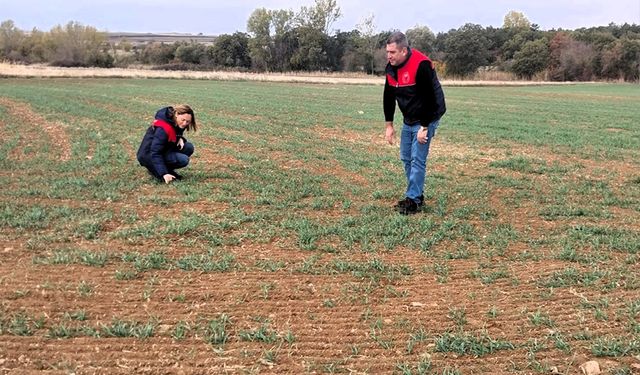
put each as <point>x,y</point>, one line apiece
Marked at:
<point>214,17</point>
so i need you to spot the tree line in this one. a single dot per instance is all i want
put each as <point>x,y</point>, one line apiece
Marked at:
<point>284,41</point>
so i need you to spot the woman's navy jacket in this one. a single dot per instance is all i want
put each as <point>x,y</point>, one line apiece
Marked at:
<point>160,138</point>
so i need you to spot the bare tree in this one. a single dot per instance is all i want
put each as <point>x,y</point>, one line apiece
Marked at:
<point>78,45</point>
<point>261,43</point>
<point>320,16</point>
<point>516,20</point>
<point>367,28</point>
<point>11,39</point>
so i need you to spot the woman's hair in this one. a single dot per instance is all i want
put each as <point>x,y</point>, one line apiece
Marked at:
<point>182,109</point>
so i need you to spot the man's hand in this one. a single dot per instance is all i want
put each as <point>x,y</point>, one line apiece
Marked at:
<point>423,135</point>
<point>168,178</point>
<point>390,132</point>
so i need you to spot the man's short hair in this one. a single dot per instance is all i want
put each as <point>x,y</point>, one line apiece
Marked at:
<point>399,39</point>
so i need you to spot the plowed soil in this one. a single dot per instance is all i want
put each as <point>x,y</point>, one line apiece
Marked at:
<point>281,320</point>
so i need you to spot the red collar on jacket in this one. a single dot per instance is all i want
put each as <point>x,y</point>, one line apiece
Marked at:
<point>170,130</point>
<point>405,73</point>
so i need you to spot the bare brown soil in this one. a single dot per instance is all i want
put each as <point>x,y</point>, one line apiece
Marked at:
<point>27,119</point>
<point>341,323</point>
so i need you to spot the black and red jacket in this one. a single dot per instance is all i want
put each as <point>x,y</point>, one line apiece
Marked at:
<point>160,138</point>
<point>415,86</point>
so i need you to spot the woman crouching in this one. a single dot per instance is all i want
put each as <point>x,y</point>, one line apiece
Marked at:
<point>164,149</point>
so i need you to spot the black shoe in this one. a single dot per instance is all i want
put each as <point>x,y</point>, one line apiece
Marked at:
<point>403,203</point>
<point>410,207</point>
<point>159,179</point>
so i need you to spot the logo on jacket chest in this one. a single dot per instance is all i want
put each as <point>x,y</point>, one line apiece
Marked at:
<point>406,78</point>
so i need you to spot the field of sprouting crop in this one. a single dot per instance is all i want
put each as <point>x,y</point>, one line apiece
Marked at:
<point>280,252</point>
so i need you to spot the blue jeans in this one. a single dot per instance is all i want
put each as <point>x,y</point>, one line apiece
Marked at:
<point>180,158</point>
<point>414,156</point>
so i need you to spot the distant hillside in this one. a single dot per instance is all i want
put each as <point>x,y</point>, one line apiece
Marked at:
<point>144,38</point>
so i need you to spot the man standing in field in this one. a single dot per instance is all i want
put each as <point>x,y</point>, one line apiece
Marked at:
<point>413,83</point>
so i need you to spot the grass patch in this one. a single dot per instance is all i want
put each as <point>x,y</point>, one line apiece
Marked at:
<point>468,344</point>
